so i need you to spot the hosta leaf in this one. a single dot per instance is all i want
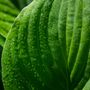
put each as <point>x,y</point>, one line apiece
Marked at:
<point>87,86</point>
<point>8,12</point>
<point>48,45</point>
<point>75,41</point>
<point>86,75</point>
<point>83,51</point>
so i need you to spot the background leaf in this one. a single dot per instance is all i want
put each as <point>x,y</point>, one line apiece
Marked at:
<point>87,86</point>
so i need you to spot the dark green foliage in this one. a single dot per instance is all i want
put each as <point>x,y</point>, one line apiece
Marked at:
<point>21,3</point>
<point>8,12</point>
<point>48,46</point>
<point>1,84</point>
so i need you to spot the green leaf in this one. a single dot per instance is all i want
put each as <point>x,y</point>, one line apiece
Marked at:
<point>87,86</point>
<point>8,12</point>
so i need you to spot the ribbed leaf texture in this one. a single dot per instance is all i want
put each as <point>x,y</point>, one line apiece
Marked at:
<point>48,47</point>
<point>8,12</point>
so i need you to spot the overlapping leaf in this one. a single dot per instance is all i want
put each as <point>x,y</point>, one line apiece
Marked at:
<point>8,12</point>
<point>68,37</point>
